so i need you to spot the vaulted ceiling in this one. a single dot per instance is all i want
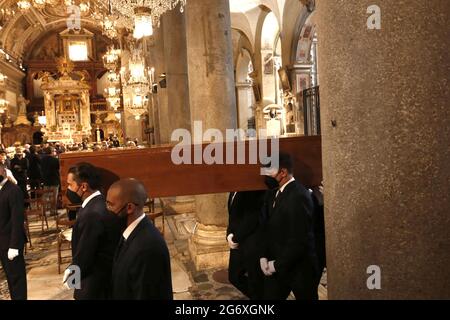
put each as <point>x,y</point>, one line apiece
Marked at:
<point>23,30</point>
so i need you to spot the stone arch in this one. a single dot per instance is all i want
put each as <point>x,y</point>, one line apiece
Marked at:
<point>244,91</point>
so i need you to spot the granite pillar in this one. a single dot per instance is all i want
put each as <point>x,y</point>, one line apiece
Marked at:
<point>213,101</point>
<point>386,156</point>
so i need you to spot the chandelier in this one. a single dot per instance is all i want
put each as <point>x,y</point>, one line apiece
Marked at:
<point>111,59</point>
<point>113,77</point>
<point>113,91</point>
<point>136,85</point>
<point>24,5</point>
<point>137,101</point>
<point>109,22</point>
<point>137,73</point>
<point>109,26</point>
<point>143,26</point>
<point>157,7</point>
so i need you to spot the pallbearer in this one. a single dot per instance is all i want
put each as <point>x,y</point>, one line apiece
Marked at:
<point>142,262</point>
<point>96,234</point>
<point>288,255</point>
<point>12,236</point>
<point>244,218</point>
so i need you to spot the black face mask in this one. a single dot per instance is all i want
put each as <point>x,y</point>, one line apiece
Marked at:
<point>271,182</point>
<point>2,178</point>
<point>73,197</point>
<point>122,215</point>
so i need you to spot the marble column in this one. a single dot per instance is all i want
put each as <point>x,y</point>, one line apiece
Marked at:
<point>213,101</point>
<point>175,54</point>
<point>178,111</point>
<point>386,156</point>
<point>159,116</point>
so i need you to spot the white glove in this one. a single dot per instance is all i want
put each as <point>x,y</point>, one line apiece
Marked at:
<point>264,266</point>
<point>231,244</point>
<point>67,273</point>
<point>271,267</point>
<point>12,253</point>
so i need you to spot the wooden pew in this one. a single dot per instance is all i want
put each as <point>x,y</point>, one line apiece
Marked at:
<point>162,178</point>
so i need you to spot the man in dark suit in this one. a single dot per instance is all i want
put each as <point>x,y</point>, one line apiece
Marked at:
<point>19,168</point>
<point>288,255</point>
<point>244,210</point>
<point>50,172</point>
<point>96,234</point>
<point>142,262</point>
<point>12,236</point>
<point>34,172</point>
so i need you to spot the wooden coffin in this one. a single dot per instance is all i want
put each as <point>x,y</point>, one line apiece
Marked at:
<point>162,178</point>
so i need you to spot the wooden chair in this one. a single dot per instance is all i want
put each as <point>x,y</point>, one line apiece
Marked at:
<point>35,208</point>
<point>51,201</point>
<point>64,226</point>
<point>152,213</point>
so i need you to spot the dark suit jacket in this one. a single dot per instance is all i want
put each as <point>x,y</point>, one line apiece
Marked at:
<point>96,234</point>
<point>287,234</point>
<point>19,168</point>
<point>244,214</point>
<point>50,171</point>
<point>12,232</point>
<point>34,169</point>
<point>142,266</point>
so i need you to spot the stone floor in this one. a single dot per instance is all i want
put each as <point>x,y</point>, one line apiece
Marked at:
<point>44,282</point>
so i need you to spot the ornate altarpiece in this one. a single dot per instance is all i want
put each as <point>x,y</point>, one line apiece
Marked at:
<point>67,104</point>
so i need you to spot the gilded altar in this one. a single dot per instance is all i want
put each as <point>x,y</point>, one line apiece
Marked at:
<point>67,104</point>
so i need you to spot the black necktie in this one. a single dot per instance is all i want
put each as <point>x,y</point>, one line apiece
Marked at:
<point>120,247</point>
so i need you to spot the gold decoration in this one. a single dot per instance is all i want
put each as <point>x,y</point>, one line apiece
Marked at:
<point>65,66</point>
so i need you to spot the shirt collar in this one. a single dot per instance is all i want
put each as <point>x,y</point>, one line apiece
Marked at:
<point>86,201</point>
<point>132,226</point>
<point>284,185</point>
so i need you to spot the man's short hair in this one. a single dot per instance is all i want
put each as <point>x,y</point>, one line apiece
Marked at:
<point>86,172</point>
<point>285,162</point>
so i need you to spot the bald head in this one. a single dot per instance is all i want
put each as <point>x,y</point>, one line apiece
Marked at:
<point>128,191</point>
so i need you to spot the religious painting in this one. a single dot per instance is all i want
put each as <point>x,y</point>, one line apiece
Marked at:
<point>284,79</point>
<point>303,81</point>
<point>268,63</point>
<point>48,50</point>
<point>307,32</point>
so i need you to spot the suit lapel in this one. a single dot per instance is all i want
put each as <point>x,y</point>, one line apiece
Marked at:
<point>282,196</point>
<point>122,249</point>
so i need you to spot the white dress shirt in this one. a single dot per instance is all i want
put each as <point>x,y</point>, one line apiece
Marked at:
<point>282,189</point>
<point>2,184</point>
<point>132,226</point>
<point>92,196</point>
<point>284,185</point>
<point>232,198</point>
<point>10,176</point>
